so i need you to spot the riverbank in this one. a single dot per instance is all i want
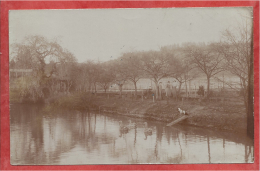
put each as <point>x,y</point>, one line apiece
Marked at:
<point>228,115</point>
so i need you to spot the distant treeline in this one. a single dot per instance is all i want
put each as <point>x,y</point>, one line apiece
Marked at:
<point>55,69</point>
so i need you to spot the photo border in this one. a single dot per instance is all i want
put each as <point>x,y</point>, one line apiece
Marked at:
<point>5,6</point>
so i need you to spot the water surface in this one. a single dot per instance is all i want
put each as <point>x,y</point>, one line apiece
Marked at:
<point>72,137</point>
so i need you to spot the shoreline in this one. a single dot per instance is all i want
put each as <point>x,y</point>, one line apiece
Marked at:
<point>229,115</point>
<point>209,115</point>
<point>187,122</point>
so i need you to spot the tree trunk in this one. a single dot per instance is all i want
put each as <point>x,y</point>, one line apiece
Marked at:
<point>157,90</point>
<point>186,92</point>
<point>250,110</point>
<point>135,90</point>
<point>95,85</point>
<point>246,96</point>
<point>179,90</point>
<point>69,83</point>
<point>208,86</point>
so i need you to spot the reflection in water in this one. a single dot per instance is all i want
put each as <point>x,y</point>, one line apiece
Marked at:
<point>71,137</point>
<point>208,148</point>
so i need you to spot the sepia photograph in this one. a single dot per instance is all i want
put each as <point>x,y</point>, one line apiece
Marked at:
<point>131,86</point>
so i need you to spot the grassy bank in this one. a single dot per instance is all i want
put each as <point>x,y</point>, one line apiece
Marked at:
<point>14,96</point>
<point>229,115</point>
<point>81,101</point>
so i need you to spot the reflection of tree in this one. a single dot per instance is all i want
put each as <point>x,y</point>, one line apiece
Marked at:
<point>156,150</point>
<point>176,159</point>
<point>179,143</point>
<point>91,140</point>
<point>208,148</point>
<point>27,138</point>
<point>247,152</point>
<point>95,123</point>
<point>159,132</point>
<point>168,131</point>
<point>46,138</point>
<point>42,140</point>
<point>135,136</point>
<point>175,136</point>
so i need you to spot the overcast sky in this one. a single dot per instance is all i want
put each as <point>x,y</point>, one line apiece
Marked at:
<point>104,34</point>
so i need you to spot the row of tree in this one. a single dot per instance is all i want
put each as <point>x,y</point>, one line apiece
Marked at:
<point>53,65</point>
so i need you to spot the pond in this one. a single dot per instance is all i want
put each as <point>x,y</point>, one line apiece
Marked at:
<point>73,137</point>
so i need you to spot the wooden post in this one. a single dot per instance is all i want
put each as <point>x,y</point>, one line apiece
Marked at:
<point>195,94</point>
<point>142,96</point>
<point>153,98</point>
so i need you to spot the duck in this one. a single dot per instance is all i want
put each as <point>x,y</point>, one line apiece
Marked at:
<point>182,111</point>
<point>147,131</point>
<point>122,128</point>
<point>131,125</point>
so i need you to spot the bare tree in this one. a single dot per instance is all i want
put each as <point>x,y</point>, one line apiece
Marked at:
<point>97,72</point>
<point>66,70</point>
<point>183,72</point>
<point>107,76</point>
<point>207,59</point>
<point>92,72</point>
<point>180,65</point>
<point>34,53</point>
<point>155,66</point>
<point>118,70</point>
<point>129,68</point>
<point>237,50</point>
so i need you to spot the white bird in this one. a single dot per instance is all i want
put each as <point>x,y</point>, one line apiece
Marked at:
<point>147,130</point>
<point>122,128</point>
<point>131,125</point>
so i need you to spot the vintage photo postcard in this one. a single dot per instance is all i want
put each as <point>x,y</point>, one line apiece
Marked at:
<point>131,86</point>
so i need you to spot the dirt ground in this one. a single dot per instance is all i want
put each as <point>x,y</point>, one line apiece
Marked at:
<point>229,115</point>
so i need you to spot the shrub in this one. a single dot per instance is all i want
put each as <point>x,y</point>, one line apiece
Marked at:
<point>211,93</point>
<point>14,96</point>
<point>78,101</point>
<point>201,91</point>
